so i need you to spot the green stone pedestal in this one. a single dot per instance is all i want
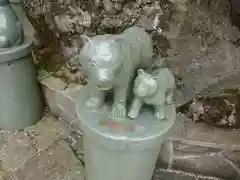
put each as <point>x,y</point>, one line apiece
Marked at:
<point>121,149</point>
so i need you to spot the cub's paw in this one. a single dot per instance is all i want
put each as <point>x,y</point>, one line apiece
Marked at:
<point>119,111</point>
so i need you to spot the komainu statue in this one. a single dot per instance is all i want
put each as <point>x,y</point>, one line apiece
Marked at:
<point>110,62</point>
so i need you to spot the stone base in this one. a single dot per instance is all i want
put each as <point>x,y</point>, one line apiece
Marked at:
<point>121,142</point>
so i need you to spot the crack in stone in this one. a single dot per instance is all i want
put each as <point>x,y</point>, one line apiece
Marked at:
<point>205,144</point>
<point>4,168</point>
<point>231,163</point>
<point>197,176</point>
<point>70,141</point>
<point>32,140</point>
<point>36,153</point>
<point>69,126</point>
<point>194,156</point>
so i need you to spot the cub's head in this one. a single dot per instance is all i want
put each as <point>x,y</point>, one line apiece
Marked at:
<point>144,85</point>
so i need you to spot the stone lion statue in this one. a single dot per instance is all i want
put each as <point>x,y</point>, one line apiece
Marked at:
<point>110,62</point>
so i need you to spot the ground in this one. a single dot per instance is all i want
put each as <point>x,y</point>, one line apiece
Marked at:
<point>48,150</point>
<point>53,150</point>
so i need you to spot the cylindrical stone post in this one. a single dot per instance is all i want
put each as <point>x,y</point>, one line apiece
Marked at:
<point>122,150</point>
<point>20,100</point>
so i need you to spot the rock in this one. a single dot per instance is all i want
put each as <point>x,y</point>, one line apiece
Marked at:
<point>209,165</point>
<point>48,150</point>
<point>53,162</point>
<point>228,83</point>
<point>56,22</point>
<point>59,109</point>
<point>203,150</point>
<point>48,131</point>
<point>16,148</point>
<point>187,34</point>
<point>219,111</point>
<point>61,98</point>
<point>55,84</point>
<point>208,68</point>
<point>4,173</point>
<point>208,136</point>
<point>233,157</point>
<point>184,149</point>
<point>163,174</point>
<point>75,173</point>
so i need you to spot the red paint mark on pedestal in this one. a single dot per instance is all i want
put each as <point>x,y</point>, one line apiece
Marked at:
<point>117,126</point>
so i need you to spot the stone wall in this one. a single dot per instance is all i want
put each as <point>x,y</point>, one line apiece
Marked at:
<point>203,54</point>
<point>196,21</point>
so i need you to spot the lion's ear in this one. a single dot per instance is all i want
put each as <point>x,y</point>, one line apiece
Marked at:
<point>140,71</point>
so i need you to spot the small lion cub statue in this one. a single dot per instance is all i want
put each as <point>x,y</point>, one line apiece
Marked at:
<point>154,89</point>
